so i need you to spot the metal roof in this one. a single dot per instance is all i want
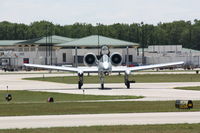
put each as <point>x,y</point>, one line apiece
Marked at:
<point>95,41</point>
<point>9,42</point>
<point>190,50</point>
<point>49,39</point>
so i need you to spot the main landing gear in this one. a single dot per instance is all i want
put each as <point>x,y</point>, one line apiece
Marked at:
<point>127,82</point>
<point>80,82</point>
<point>102,86</point>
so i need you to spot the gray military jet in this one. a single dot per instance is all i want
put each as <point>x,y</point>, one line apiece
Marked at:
<point>106,64</point>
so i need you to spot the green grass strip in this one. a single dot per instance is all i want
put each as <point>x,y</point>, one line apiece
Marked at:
<point>168,128</point>
<point>26,103</point>
<point>195,88</point>
<point>11,109</point>
<point>35,96</point>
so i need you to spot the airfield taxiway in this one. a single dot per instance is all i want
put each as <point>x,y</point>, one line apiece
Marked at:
<point>151,91</point>
<point>98,119</point>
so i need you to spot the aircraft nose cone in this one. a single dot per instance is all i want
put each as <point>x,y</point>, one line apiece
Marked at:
<point>105,65</point>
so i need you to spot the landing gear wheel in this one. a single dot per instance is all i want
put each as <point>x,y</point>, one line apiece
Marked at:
<point>102,86</point>
<point>79,85</point>
<point>128,85</point>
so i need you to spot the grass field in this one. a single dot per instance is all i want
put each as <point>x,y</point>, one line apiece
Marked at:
<point>169,128</point>
<point>27,109</point>
<point>26,103</point>
<point>60,108</point>
<point>34,96</point>
<point>143,78</point>
<point>195,88</point>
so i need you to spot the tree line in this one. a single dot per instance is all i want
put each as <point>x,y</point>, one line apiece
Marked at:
<point>184,33</point>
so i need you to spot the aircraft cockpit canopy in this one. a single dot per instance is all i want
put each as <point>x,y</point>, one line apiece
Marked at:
<point>105,50</point>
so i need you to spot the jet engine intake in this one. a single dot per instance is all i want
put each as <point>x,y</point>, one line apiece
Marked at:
<point>90,59</point>
<point>116,59</point>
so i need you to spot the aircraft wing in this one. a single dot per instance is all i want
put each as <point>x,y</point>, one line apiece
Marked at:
<point>119,69</point>
<point>95,69</point>
<point>63,68</point>
<point>139,68</point>
<point>70,69</point>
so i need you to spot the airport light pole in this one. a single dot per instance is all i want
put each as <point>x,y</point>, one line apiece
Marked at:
<point>98,24</point>
<point>46,45</point>
<point>190,38</point>
<point>49,44</point>
<point>143,42</point>
<point>127,56</point>
<point>76,56</point>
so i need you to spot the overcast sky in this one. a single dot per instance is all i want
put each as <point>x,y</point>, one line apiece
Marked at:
<point>94,11</point>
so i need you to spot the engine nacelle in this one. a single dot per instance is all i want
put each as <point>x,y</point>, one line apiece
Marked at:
<point>116,59</point>
<point>90,59</point>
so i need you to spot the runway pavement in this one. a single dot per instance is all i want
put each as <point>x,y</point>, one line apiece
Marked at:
<point>15,82</point>
<point>151,91</point>
<point>98,119</point>
<point>150,94</point>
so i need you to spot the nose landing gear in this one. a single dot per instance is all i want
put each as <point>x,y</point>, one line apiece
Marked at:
<point>102,80</point>
<point>80,82</point>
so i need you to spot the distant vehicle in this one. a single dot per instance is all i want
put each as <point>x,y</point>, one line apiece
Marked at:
<point>131,64</point>
<point>5,65</point>
<point>104,66</point>
<point>4,62</point>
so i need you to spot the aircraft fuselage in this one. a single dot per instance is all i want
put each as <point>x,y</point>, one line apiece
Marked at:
<point>104,64</point>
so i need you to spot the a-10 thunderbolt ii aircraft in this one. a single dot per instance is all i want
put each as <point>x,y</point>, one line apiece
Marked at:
<point>105,65</point>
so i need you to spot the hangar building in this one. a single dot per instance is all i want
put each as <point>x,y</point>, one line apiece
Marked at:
<point>57,50</point>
